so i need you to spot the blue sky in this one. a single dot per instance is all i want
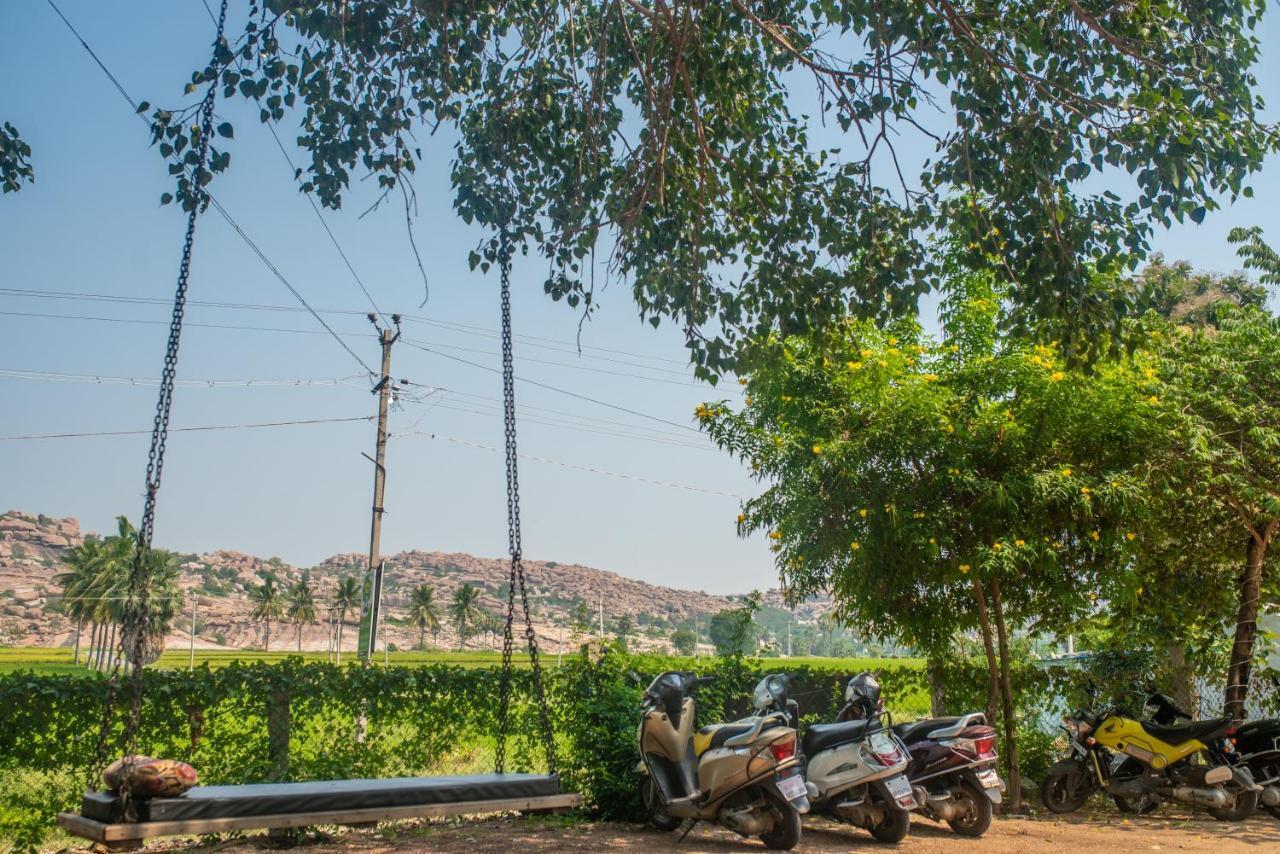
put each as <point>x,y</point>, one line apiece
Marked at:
<point>91,224</point>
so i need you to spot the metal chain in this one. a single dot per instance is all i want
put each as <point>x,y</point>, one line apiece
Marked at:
<point>134,620</point>
<point>516,576</point>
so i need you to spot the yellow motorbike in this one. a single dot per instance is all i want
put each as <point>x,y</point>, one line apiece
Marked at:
<point>1141,764</point>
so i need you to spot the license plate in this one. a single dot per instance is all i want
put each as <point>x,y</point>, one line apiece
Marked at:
<point>900,789</point>
<point>989,779</point>
<point>792,787</point>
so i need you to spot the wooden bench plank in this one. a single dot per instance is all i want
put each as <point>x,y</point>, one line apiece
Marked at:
<point>98,831</point>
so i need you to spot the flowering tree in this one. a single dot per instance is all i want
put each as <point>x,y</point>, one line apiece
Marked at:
<point>936,486</point>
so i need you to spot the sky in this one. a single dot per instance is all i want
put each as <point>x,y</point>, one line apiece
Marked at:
<point>643,496</point>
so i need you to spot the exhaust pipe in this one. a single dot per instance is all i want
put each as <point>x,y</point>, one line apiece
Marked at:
<point>1270,796</point>
<point>1203,797</point>
<point>744,822</point>
<point>942,807</point>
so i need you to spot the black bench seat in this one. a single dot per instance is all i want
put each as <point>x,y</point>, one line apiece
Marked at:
<point>322,796</point>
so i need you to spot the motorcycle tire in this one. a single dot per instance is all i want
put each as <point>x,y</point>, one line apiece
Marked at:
<point>1144,805</point>
<point>1275,811</point>
<point>978,815</point>
<point>1067,786</point>
<point>894,828</point>
<point>785,833</point>
<point>654,808</point>
<point>1246,805</point>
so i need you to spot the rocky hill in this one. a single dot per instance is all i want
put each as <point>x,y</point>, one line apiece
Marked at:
<point>32,549</point>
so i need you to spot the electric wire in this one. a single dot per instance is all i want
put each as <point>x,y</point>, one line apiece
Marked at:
<point>204,428</point>
<point>107,379</point>
<point>213,200</point>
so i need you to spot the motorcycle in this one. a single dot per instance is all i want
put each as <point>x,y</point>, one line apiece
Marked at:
<point>855,768</point>
<point>743,775</point>
<point>1255,745</point>
<point>1142,763</point>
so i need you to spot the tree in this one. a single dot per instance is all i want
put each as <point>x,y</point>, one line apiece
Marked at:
<point>684,642</point>
<point>580,619</point>
<point>1178,292</point>
<point>910,478</point>
<point>302,605</point>
<point>347,598</point>
<point>465,610</point>
<point>1220,390</point>
<point>734,631</point>
<point>669,134</point>
<point>268,606</point>
<point>15,160</point>
<point>623,628</point>
<point>424,611</point>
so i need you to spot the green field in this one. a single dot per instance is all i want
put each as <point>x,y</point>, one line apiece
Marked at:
<point>58,660</point>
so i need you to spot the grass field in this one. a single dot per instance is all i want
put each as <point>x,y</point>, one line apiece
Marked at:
<point>58,660</point>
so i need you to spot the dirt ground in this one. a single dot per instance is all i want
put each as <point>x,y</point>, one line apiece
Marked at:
<point>1013,835</point>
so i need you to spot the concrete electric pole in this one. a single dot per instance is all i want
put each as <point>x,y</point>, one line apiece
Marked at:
<point>368,628</point>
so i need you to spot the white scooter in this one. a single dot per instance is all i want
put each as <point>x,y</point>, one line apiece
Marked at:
<point>855,770</point>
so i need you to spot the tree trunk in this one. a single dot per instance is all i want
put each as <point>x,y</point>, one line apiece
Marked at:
<point>111,646</point>
<point>299,637</point>
<point>422,637</point>
<point>342,621</point>
<point>75,659</point>
<point>1184,688</point>
<point>989,647</point>
<point>1239,670</point>
<point>1006,696</point>
<point>937,686</point>
<point>279,724</point>
<point>266,636</point>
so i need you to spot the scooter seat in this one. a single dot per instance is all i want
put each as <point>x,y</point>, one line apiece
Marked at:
<point>919,730</point>
<point>1180,733</point>
<point>711,737</point>
<point>820,737</point>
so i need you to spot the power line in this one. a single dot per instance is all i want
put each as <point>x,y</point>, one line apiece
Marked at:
<point>216,204</point>
<point>603,403</point>
<point>579,467</point>
<point>105,379</point>
<point>184,429</point>
<point>561,346</point>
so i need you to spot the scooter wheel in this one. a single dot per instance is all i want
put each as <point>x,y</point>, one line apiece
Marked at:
<point>785,833</point>
<point>654,808</point>
<point>894,827</point>
<point>1275,811</point>
<point>1246,805</point>
<point>977,817</point>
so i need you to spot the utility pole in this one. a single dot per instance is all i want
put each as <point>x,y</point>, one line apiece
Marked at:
<point>191,664</point>
<point>602,617</point>
<point>386,337</point>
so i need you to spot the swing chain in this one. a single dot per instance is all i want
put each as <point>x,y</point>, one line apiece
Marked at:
<point>517,575</point>
<point>135,617</point>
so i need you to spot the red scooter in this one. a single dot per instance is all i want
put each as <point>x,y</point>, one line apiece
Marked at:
<point>952,768</point>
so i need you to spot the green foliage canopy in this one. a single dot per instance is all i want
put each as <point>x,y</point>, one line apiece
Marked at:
<point>667,134</point>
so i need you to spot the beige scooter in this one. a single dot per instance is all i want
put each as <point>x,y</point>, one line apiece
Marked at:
<point>742,775</point>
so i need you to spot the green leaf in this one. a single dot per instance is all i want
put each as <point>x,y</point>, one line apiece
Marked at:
<point>226,130</point>
<point>1197,215</point>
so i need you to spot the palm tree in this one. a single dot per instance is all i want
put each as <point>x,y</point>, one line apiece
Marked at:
<point>76,582</point>
<point>424,611</point>
<point>302,606</point>
<point>465,610</point>
<point>268,606</point>
<point>347,598</point>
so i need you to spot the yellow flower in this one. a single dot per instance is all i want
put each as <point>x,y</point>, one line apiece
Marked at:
<point>933,541</point>
<point>997,547</point>
<point>917,515</point>
<point>893,340</point>
<point>918,348</point>
<point>953,471</point>
<point>864,353</point>
<point>1084,490</point>
<point>1096,535</point>
<point>742,517</point>
<point>775,535</point>
<point>742,380</point>
<point>929,378</point>
<point>863,512</point>
<point>1130,536</point>
<point>1066,472</point>
<point>855,545</point>
<point>817,449</point>
<point>853,366</point>
<point>749,399</point>
<point>1019,543</point>
<point>1057,376</point>
<point>964,567</point>
<point>948,429</point>
<point>786,398</point>
<point>1153,400</point>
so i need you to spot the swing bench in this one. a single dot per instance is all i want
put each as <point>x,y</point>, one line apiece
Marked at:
<point>119,821</point>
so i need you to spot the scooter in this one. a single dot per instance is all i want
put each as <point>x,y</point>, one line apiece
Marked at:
<point>953,770</point>
<point>855,769</point>
<point>1255,745</point>
<point>743,775</point>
